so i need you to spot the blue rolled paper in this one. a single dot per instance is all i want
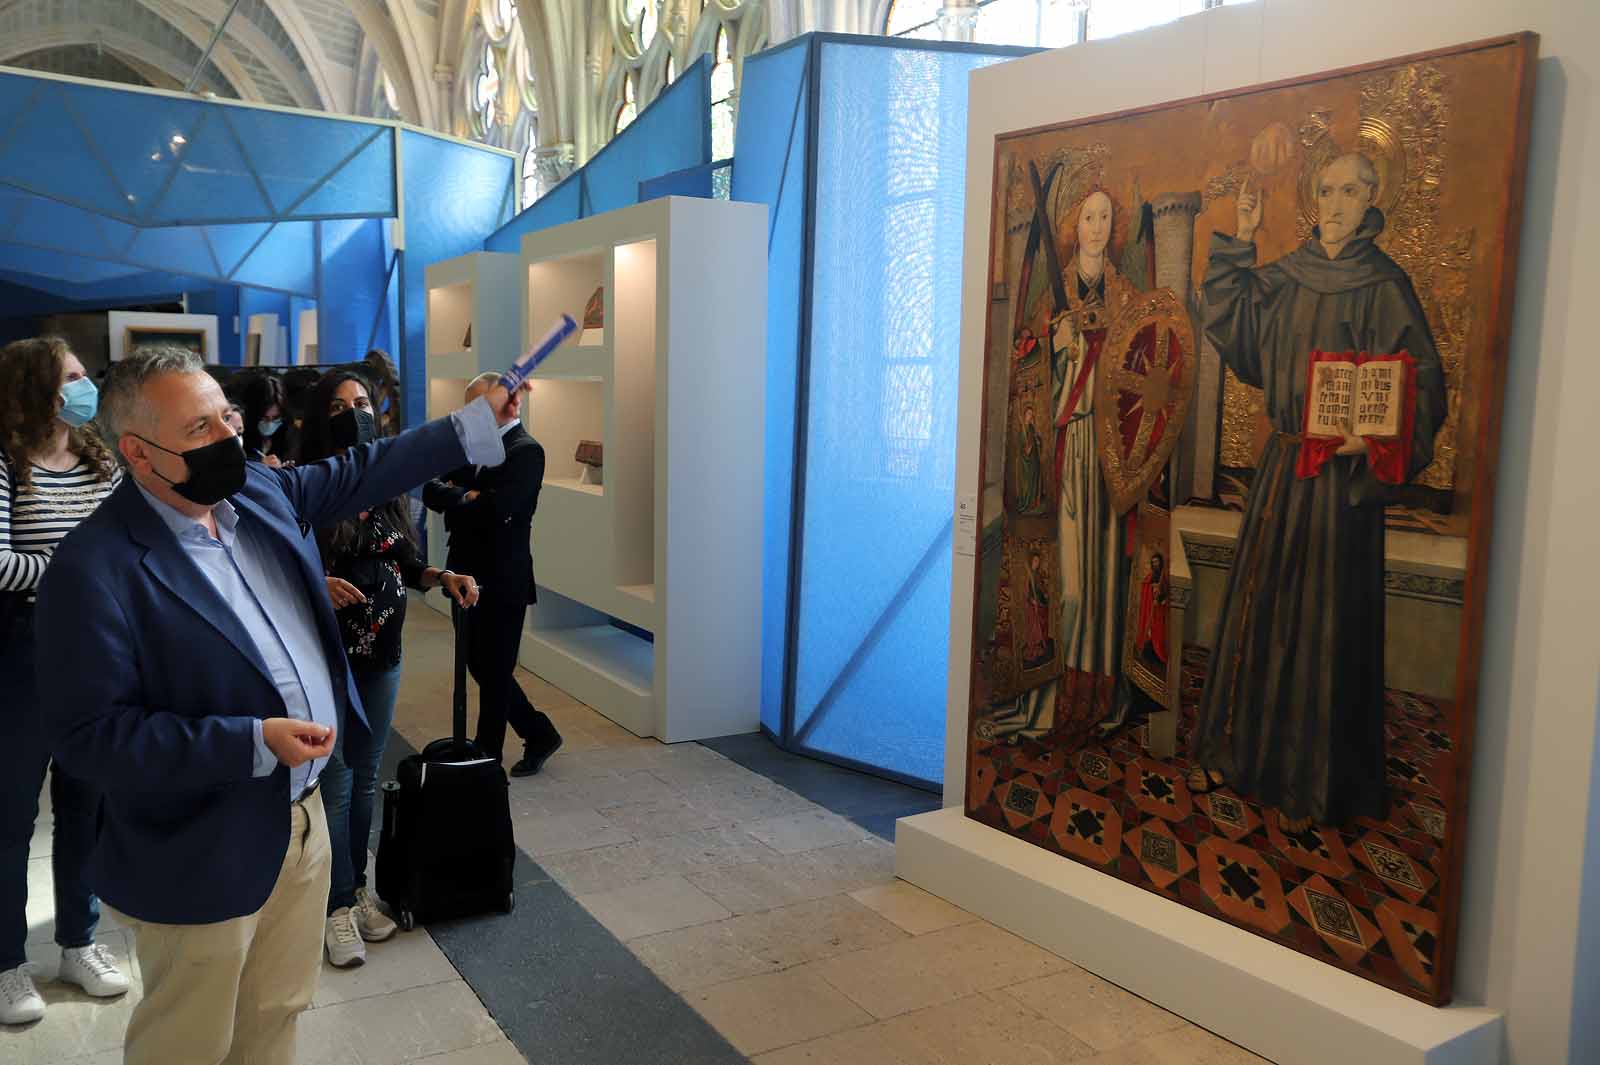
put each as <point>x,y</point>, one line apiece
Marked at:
<point>523,368</point>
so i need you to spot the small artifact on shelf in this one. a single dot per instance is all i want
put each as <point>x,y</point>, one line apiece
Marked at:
<point>466,341</point>
<point>591,455</point>
<point>594,318</point>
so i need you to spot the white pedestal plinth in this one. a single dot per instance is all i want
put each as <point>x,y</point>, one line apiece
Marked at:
<point>1280,1004</point>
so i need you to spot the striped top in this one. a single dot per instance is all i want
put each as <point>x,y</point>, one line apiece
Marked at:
<point>35,523</point>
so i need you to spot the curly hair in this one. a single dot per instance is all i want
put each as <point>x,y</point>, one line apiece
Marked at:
<point>30,379</point>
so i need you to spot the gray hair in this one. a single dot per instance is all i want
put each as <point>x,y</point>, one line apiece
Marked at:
<point>122,402</point>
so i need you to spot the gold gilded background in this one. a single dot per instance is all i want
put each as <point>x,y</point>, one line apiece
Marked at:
<point>1444,173</point>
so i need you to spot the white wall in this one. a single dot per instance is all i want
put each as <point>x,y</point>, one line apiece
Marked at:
<point>119,321</point>
<point>1534,841</point>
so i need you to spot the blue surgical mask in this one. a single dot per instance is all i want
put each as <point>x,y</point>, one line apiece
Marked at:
<point>267,428</point>
<point>80,401</point>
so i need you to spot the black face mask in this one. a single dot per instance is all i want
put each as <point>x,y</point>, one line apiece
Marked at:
<point>352,428</point>
<point>216,471</point>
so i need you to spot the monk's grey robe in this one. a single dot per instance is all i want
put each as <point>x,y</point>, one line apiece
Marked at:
<point>1292,711</point>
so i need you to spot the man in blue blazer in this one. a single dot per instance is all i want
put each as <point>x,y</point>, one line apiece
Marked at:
<point>191,667</point>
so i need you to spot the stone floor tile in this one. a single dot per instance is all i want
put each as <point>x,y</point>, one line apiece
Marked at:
<point>911,908</point>
<point>742,801</point>
<point>660,817</point>
<point>405,960</point>
<point>1095,1010</point>
<point>690,853</point>
<point>396,1029</point>
<point>651,906</point>
<point>939,967</point>
<point>761,1013</point>
<point>991,1029</point>
<point>811,931</point>
<point>539,833</point>
<point>697,957</point>
<point>1190,1045</point>
<point>805,831</point>
<point>74,1025</point>
<point>501,1053</point>
<point>784,879</point>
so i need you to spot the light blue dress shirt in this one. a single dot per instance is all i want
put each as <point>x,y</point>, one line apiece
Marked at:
<point>270,602</point>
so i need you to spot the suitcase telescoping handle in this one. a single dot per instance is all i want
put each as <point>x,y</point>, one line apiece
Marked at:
<point>458,707</point>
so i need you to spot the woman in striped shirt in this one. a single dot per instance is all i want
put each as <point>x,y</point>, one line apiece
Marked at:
<point>54,472</point>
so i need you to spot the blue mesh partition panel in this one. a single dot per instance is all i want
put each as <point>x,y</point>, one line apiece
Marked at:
<point>41,262</point>
<point>672,134</point>
<point>873,615</point>
<point>559,206</point>
<point>285,259</point>
<point>296,155</point>
<point>180,248</point>
<point>232,244</point>
<point>696,181</point>
<point>353,279</point>
<point>455,196</point>
<point>42,150</point>
<point>151,158</point>
<point>222,301</point>
<point>769,167</point>
<point>210,169</point>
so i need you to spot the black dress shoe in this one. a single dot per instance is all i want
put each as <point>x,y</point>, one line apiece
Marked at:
<point>531,763</point>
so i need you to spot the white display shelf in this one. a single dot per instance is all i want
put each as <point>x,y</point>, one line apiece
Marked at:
<point>661,545</point>
<point>477,290</point>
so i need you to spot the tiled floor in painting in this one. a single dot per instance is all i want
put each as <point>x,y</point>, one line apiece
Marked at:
<point>678,908</point>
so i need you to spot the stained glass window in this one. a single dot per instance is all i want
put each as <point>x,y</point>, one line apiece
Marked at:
<point>722,117</point>
<point>499,16</point>
<point>914,18</point>
<point>629,110</point>
<point>640,16</point>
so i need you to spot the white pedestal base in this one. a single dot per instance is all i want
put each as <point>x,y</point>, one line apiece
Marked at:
<point>1282,1005</point>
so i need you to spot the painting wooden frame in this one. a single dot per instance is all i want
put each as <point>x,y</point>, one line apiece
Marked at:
<point>1413,169</point>
<point>190,339</point>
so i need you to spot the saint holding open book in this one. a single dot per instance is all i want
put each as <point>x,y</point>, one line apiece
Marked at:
<point>1292,712</point>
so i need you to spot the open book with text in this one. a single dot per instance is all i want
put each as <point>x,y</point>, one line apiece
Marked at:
<point>1349,396</point>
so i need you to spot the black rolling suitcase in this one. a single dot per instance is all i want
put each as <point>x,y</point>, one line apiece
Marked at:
<point>446,849</point>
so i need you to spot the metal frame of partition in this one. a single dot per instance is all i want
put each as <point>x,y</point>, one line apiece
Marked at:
<point>809,98</point>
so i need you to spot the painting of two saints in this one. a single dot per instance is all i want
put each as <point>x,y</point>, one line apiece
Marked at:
<point>1244,357</point>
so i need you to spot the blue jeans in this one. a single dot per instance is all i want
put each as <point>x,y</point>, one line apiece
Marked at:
<point>24,757</point>
<point>350,781</point>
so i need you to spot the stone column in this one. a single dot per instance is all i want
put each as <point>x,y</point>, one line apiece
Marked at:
<point>1195,460</point>
<point>958,20</point>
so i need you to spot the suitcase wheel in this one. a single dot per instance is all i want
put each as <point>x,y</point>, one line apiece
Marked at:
<point>407,919</point>
<point>510,903</point>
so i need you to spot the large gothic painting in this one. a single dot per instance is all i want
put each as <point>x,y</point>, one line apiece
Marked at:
<point>1245,356</point>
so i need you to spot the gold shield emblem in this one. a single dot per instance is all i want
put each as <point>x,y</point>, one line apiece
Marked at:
<point>1142,392</point>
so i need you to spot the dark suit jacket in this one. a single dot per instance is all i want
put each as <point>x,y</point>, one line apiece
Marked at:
<point>150,683</point>
<point>489,537</point>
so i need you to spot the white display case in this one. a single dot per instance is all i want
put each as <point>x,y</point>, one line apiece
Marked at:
<point>476,292</point>
<point>670,541</point>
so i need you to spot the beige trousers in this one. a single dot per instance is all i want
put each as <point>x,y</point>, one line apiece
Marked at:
<point>229,993</point>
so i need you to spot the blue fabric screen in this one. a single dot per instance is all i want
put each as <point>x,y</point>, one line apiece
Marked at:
<point>769,167</point>
<point>454,194</point>
<point>673,134</point>
<point>859,147</point>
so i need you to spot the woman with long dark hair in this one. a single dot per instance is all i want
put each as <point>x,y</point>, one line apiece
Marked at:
<point>370,561</point>
<point>54,472</point>
<point>267,433</point>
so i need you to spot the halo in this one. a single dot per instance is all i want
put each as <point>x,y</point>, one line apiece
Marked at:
<point>1375,139</point>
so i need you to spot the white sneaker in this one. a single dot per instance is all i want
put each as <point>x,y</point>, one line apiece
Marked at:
<point>19,999</point>
<point>345,950</point>
<point>94,969</point>
<point>373,924</point>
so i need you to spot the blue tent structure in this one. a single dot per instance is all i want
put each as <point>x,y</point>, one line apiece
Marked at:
<point>113,196</point>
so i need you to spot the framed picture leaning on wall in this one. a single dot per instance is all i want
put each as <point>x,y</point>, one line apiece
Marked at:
<point>1245,357</point>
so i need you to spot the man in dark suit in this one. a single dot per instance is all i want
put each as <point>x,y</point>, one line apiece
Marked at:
<point>488,511</point>
<point>191,667</point>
